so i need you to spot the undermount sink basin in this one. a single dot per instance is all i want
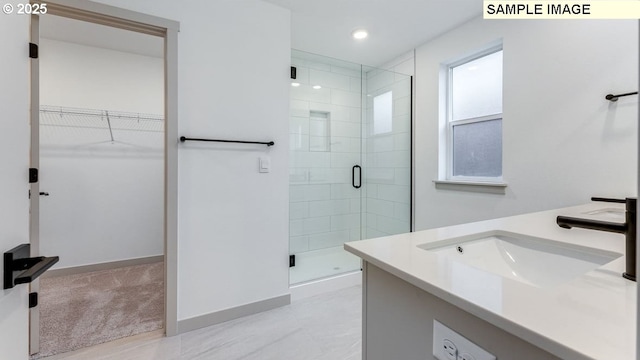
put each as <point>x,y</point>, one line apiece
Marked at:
<point>531,260</point>
<point>609,214</point>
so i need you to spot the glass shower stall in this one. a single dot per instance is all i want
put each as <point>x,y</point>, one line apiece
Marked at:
<point>350,161</point>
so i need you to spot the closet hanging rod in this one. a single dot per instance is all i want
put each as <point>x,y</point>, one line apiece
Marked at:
<point>269,143</point>
<point>612,97</point>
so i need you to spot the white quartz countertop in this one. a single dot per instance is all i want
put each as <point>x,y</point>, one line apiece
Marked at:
<point>592,316</point>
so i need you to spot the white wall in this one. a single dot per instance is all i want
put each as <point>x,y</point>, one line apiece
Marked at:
<point>106,198</point>
<point>74,75</point>
<point>233,59</point>
<point>14,157</point>
<point>562,141</point>
<point>403,64</point>
<point>105,203</point>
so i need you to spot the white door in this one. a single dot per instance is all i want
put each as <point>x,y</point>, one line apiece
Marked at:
<point>15,142</point>
<point>14,160</point>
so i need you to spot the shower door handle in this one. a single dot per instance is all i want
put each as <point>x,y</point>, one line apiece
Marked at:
<point>353,176</point>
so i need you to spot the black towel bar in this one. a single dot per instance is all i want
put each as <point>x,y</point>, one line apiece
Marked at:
<point>612,97</point>
<point>268,143</point>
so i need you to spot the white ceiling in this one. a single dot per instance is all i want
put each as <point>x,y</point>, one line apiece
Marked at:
<point>90,34</point>
<point>318,26</point>
<point>395,26</point>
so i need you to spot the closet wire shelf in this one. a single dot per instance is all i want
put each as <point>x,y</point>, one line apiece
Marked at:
<point>108,122</point>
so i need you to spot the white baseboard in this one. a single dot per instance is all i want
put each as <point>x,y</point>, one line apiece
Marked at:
<point>221,316</point>
<point>318,287</point>
<point>102,266</point>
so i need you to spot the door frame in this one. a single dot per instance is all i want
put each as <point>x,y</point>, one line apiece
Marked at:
<point>142,23</point>
<point>34,188</point>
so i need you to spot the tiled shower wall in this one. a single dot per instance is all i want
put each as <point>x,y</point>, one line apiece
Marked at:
<point>325,132</point>
<point>387,161</point>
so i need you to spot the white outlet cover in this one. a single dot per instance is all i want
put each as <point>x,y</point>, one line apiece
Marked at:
<point>443,335</point>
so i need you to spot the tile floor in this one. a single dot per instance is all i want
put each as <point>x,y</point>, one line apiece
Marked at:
<point>323,327</point>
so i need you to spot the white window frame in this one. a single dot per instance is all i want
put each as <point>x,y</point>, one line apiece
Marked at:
<point>450,123</point>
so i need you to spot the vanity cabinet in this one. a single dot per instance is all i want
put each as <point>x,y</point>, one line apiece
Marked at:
<point>398,323</point>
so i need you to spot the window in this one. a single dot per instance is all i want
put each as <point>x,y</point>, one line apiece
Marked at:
<point>383,113</point>
<point>474,118</point>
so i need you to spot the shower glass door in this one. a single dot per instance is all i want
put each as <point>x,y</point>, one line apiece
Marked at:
<point>339,126</point>
<point>386,203</point>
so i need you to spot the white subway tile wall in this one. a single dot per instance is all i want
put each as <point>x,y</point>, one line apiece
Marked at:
<point>325,134</point>
<point>329,135</point>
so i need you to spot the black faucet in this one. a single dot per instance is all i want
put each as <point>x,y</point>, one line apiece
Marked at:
<point>628,228</point>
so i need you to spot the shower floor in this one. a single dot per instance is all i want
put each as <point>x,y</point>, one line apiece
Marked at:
<point>318,264</point>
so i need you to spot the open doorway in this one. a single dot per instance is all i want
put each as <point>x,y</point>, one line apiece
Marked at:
<point>102,204</point>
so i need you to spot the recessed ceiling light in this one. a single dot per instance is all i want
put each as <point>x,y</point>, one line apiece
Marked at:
<point>317,87</point>
<point>360,34</point>
<point>295,84</point>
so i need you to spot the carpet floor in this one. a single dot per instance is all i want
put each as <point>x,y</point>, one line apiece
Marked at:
<point>81,310</point>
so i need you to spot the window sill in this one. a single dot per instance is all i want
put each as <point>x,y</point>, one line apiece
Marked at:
<point>472,186</point>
